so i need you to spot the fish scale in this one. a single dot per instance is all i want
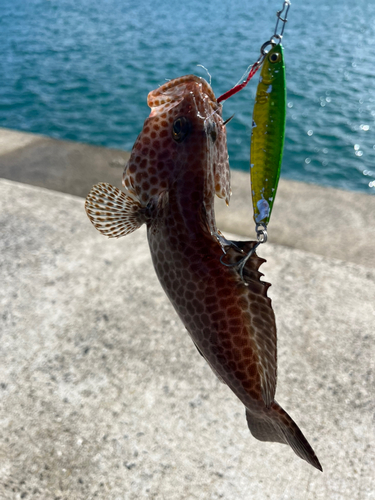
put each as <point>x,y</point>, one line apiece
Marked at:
<point>177,165</point>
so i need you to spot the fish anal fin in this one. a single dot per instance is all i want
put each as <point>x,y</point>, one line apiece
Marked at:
<point>113,212</point>
<point>277,426</point>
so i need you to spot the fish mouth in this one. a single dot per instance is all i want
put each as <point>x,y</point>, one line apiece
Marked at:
<point>175,90</point>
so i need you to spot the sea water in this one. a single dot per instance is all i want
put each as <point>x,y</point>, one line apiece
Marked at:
<point>82,69</point>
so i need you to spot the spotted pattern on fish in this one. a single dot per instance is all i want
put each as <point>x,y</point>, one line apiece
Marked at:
<point>112,212</point>
<point>148,173</point>
<point>177,165</point>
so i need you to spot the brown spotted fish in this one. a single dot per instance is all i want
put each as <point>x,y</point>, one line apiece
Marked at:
<point>177,165</point>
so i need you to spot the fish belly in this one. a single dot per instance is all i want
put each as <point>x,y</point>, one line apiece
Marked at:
<point>215,307</point>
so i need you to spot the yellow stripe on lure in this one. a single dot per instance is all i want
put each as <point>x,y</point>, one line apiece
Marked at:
<point>267,137</point>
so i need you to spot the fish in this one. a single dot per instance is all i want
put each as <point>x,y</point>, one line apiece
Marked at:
<point>267,135</point>
<point>178,164</point>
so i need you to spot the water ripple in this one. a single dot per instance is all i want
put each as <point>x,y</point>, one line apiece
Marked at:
<point>82,71</point>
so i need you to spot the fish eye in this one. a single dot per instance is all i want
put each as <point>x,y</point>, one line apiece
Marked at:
<point>181,128</point>
<point>211,130</point>
<point>275,57</point>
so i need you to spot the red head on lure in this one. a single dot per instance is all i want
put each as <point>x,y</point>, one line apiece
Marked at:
<point>177,165</point>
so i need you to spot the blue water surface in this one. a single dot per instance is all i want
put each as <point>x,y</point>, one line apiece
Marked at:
<point>82,69</point>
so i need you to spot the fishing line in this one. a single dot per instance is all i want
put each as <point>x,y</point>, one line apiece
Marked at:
<point>208,73</point>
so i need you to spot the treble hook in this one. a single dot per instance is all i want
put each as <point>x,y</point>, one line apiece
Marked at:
<point>261,230</point>
<point>228,120</point>
<point>242,262</point>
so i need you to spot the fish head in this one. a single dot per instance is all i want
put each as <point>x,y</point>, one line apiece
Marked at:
<point>183,133</point>
<point>273,64</point>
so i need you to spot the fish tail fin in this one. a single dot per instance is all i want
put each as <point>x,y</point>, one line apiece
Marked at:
<point>113,212</point>
<point>277,426</point>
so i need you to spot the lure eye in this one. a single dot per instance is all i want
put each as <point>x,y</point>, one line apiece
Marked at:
<point>181,128</point>
<point>275,57</point>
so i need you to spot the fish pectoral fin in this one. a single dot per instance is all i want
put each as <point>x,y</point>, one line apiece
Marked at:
<point>113,212</point>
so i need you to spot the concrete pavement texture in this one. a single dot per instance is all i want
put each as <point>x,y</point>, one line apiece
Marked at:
<point>103,395</point>
<point>325,221</point>
<point>66,166</point>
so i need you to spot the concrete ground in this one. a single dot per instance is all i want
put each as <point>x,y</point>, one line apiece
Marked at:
<point>320,220</point>
<point>103,395</point>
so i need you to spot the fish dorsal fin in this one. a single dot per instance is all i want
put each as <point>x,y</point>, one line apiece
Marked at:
<point>263,324</point>
<point>112,212</point>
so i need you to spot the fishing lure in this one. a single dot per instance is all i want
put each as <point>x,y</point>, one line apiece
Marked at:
<point>268,126</point>
<point>267,137</point>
